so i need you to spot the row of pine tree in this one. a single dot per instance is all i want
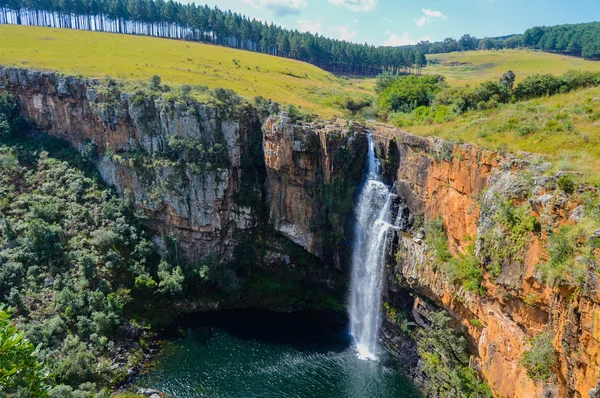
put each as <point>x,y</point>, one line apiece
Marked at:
<point>202,23</point>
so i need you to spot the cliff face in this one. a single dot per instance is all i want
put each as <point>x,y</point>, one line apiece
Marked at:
<point>466,187</point>
<point>312,172</point>
<point>209,175</point>
<point>199,169</point>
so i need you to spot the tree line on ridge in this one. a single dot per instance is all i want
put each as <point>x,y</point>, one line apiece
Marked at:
<point>175,20</point>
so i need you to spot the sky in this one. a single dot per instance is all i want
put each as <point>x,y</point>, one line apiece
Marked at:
<point>401,22</point>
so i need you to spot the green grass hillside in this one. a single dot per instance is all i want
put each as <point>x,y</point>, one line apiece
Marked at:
<point>473,67</point>
<point>565,128</point>
<point>94,54</point>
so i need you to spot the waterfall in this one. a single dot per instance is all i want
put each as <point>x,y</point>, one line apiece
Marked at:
<point>373,221</point>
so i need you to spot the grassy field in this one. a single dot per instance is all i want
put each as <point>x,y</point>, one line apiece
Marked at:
<point>94,54</point>
<point>565,128</point>
<point>473,67</point>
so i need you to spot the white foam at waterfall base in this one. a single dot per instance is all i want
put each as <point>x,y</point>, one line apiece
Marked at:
<point>373,222</point>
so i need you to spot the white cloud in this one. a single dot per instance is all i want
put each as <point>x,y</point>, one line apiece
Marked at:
<point>304,25</point>
<point>343,32</point>
<point>404,40</point>
<point>430,16</point>
<point>279,7</point>
<point>388,20</point>
<point>356,5</point>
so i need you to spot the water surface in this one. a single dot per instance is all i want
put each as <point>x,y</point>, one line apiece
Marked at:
<point>263,354</point>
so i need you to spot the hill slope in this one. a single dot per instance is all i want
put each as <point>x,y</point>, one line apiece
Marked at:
<point>473,67</point>
<point>94,54</point>
<point>565,127</point>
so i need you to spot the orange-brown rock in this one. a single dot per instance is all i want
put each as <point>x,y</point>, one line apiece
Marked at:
<point>453,181</point>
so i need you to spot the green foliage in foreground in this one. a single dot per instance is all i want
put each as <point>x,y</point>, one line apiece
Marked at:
<point>446,362</point>
<point>20,371</point>
<point>71,251</point>
<point>540,359</point>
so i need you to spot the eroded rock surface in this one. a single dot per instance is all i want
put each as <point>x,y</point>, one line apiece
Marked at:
<point>464,185</point>
<point>197,169</point>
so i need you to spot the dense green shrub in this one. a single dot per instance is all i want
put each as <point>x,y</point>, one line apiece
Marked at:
<point>565,183</point>
<point>353,105</point>
<point>404,94</point>
<point>494,91</point>
<point>446,361</point>
<point>545,85</point>
<point>436,239</point>
<point>21,373</point>
<point>540,359</point>
<point>297,115</point>
<point>466,270</point>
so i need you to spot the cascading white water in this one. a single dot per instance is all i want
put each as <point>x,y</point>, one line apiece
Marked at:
<point>373,222</point>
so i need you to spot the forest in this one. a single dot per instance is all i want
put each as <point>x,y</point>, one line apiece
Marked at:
<point>582,40</point>
<point>202,23</point>
<point>579,39</point>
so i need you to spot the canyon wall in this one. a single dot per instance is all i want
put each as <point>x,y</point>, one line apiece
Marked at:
<point>209,174</point>
<point>198,169</point>
<point>466,187</point>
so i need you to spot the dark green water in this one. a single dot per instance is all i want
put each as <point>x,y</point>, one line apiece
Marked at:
<point>264,354</point>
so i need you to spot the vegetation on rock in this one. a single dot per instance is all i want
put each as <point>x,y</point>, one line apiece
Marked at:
<point>446,361</point>
<point>507,240</point>
<point>540,359</point>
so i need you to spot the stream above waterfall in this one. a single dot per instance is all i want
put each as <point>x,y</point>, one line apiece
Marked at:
<point>251,353</point>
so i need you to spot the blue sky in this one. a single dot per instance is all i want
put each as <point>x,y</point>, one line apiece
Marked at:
<point>398,22</point>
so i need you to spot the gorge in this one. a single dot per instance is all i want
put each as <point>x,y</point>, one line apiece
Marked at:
<point>472,225</point>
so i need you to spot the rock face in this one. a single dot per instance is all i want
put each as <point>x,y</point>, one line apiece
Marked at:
<point>198,170</point>
<point>464,185</point>
<point>312,172</point>
<point>208,175</point>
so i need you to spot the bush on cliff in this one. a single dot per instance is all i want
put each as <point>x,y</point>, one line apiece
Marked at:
<point>10,119</point>
<point>406,93</point>
<point>436,240</point>
<point>571,255</point>
<point>446,362</point>
<point>506,241</point>
<point>540,359</point>
<point>464,269</point>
